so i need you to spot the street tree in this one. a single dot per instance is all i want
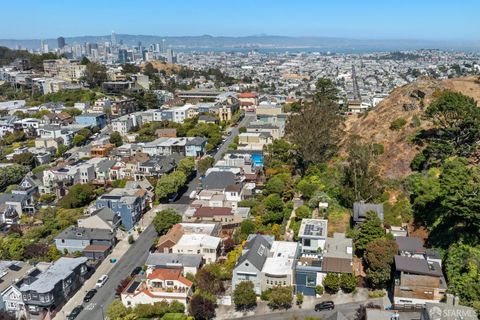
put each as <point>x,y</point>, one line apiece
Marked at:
<point>165,219</point>
<point>244,295</point>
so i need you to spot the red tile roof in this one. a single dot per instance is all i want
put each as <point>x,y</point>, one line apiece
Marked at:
<point>169,274</point>
<point>247,95</point>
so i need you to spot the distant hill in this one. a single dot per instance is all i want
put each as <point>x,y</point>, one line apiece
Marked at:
<point>408,102</point>
<point>257,41</point>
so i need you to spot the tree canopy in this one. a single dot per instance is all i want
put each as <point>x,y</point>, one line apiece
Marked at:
<point>165,219</point>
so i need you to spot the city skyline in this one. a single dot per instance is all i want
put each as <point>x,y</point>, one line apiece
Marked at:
<point>375,20</point>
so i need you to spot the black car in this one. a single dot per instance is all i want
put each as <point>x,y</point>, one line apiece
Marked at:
<point>325,305</point>
<point>75,312</point>
<point>89,295</point>
<point>136,271</point>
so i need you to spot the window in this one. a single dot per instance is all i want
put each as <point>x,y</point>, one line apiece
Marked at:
<point>306,242</point>
<point>311,280</point>
<point>169,283</point>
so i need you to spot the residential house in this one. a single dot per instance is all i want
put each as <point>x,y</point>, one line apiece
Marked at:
<point>254,140</point>
<point>207,119</point>
<point>7,124</point>
<point>197,243</point>
<point>161,284</point>
<point>10,296</point>
<point>19,202</point>
<point>250,264</point>
<point>126,123</point>
<point>312,235</point>
<point>61,118</point>
<point>195,147</point>
<point>128,204</point>
<point>166,242</point>
<point>360,210</point>
<point>248,100</point>
<point>278,269</point>
<point>218,180</point>
<point>103,218</point>
<point>410,247</point>
<point>187,263</point>
<point>274,131</point>
<point>101,150</point>
<point>76,239</point>
<point>45,292</point>
<point>92,120</point>
<point>156,166</point>
<point>338,254</point>
<point>225,216</point>
<point>417,281</point>
<point>123,106</point>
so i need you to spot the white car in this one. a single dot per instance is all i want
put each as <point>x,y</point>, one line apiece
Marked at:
<point>101,281</point>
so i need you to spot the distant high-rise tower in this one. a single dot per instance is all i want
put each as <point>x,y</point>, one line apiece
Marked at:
<point>113,39</point>
<point>164,49</point>
<point>61,42</point>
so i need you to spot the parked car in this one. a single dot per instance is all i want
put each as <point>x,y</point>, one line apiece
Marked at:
<point>101,281</point>
<point>75,312</point>
<point>325,305</point>
<point>173,197</point>
<point>90,294</point>
<point>136,271</point>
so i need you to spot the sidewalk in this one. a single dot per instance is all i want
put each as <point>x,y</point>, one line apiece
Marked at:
<point>361,297</point>
<point>105,267</point>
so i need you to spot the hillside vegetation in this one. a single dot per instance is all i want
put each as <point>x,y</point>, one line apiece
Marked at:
<point>395,122</point>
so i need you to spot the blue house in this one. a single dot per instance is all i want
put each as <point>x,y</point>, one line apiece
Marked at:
<point>125,203</point>
<point>92,119</point>
<point>195,147</point>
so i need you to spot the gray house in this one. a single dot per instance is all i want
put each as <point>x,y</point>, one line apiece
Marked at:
<point>249,265</point>
<point>45,291</point>
<point>360,210</point>
<point>189,263</point>
<point>218,180</point>
<point>76,239</point>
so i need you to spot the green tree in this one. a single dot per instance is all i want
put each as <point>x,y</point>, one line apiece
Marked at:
<point>187,166</point>
<point>280,298</point>
<point>116,310</point>
<point>95,74</point>
<point>78,140</point>
<point>318,127</point>
<point>169,184</point>
<point>379,257</point>
<point>204,164</point>
<point>24,159</point>
<point>348,282</point>
<point>165,219</point>
<point>11,175</point>
<point>273,203</point>
<point>61,150</point>
<point>370,229</point>
<point>360,179</point>
<point>201,307</point>
<point>207,282</point>
<point>116,138</point>
<point>463,272</point>
<point>303,212</point>
<point>78,196</point>
<point>244,295</point>
<point>73,111</point>
<point>331,283</point>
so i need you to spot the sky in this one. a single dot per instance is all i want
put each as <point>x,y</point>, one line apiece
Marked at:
<point>357,19</point>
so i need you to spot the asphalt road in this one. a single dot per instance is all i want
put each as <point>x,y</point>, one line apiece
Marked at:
<point>135,256</point>
<point>348,309</point>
